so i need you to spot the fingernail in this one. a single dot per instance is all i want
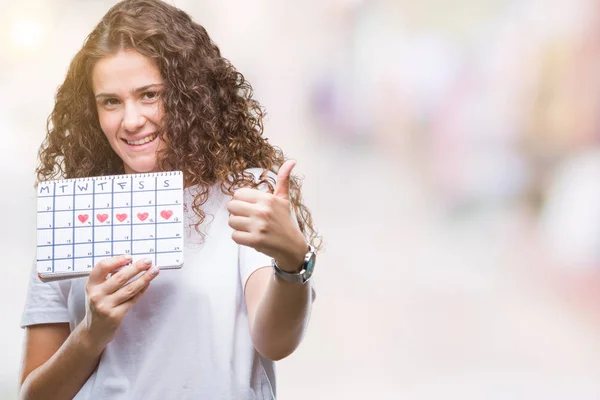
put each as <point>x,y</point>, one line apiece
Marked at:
<point>154,270</point>
<point>147,261</point>
<point>127,256</point>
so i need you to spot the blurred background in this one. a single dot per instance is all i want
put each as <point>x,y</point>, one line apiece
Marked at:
<point>451,155</point>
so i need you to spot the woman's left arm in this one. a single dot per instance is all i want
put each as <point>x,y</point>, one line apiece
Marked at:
<point>278,310</point>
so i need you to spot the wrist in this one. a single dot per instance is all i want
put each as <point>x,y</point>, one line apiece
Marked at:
<point>294,261</point>
<point>300,275</point>
<point>87,340</point>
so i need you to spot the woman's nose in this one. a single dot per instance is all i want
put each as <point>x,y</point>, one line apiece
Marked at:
<point>133,118</point>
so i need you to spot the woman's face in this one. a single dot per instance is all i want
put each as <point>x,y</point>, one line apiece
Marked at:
<point>127,88</point>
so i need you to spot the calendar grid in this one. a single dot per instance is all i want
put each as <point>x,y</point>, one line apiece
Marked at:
<point>137,214</point>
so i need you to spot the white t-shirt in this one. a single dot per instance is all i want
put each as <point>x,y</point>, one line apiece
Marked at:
<point>187,337</point>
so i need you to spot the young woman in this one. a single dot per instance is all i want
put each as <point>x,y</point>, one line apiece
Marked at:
<point>149,91</point>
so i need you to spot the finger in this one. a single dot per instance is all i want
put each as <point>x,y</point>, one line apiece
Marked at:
<point>249,195</point>
<point>243,238</point>
<point>106,266</point>
<point>240,223</point>
<point>119,279</point>
<point>133,288</point>
<point>126,305</point>
<point>241,208</point>
<point>282,187</point>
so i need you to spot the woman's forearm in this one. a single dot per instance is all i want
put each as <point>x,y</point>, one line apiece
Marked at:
<point>281,318</point>
<point>65,373</point>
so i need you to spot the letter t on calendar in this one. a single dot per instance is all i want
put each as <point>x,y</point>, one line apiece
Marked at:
<point>82,221</point>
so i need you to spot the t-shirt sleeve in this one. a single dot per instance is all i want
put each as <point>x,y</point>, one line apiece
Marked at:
<point>45,302</point>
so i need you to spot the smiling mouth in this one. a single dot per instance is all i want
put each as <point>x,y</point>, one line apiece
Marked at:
<point>141,141</point>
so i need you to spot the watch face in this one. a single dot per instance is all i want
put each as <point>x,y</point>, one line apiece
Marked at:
<point>310,266</point>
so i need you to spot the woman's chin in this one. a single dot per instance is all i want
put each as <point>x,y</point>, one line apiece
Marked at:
<point>141,167</point>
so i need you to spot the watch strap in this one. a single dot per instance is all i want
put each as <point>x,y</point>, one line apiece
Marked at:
<point>294,277</point>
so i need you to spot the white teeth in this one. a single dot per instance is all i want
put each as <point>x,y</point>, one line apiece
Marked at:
<point>141,141</point>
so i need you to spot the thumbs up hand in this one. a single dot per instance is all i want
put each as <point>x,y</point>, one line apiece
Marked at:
<point>264,221</point>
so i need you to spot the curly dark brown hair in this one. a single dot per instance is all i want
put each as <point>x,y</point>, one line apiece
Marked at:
<point>212,124</point>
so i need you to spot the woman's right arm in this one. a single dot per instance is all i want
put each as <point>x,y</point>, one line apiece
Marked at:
<point>56,362</point>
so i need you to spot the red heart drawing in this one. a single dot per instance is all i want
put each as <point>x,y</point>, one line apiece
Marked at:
<point>166,214</point>
<point>121,217</point>
<point>142,216</point>
<point>102,217</point>
<point>82,218</point>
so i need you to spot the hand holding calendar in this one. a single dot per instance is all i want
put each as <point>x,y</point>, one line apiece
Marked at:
<point>110,299</point>
<point>82,221</point>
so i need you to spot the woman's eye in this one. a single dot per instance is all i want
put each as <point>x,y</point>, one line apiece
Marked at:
<point>150,95</point>
<point>110,102</point>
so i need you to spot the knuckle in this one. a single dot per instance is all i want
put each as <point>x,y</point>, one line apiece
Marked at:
<point>129,290</point>
<point>271,200</point>
<point>265,213</point>
<point>100,266</point>
<point>94,297</point>
<point>262,227</point>
<point>261,212</point>
<point>102,309</point>
<point>269,205</point>
<point>120,278</point>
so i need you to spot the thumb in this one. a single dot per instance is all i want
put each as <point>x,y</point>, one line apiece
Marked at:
<point>282,187</point>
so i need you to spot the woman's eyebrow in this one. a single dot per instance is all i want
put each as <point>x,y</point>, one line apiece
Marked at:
<point>134,91</point>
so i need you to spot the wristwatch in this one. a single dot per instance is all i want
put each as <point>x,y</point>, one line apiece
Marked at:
<point>308,266</point>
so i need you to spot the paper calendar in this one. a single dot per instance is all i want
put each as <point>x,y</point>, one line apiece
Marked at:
<point>81,221</point>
